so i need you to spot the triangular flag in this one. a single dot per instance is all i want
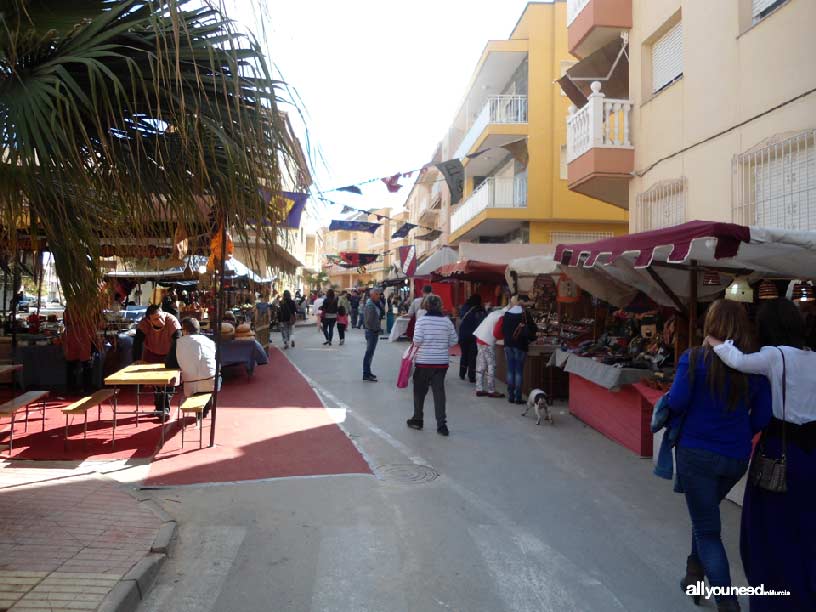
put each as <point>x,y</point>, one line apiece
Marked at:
<point>350,189</point>
<point>392,183</point>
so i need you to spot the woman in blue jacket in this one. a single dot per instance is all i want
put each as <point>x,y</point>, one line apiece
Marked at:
<point>718,411</point>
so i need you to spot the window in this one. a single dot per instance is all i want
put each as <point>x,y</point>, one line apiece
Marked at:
<point>577,237</point>
<point>662,205</point>
<point>762,8</point>
<point>563,172</point>
<point>775,183</point>
<point>667,58</point>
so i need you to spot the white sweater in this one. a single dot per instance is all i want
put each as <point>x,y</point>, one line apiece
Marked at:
<point>800,381</point>
<point>434,336</point>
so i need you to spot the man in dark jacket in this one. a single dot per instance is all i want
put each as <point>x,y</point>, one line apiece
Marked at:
<point>519,331</point>
<point>471,314</point>
<point>371,323</point>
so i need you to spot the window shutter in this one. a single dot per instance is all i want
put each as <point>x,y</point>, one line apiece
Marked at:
<point>667,57</point>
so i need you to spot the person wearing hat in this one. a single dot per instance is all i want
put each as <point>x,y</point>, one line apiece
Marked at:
<point>193,354</point>
<point>372,313</point>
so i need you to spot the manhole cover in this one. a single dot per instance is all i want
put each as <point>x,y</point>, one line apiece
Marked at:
<point>407,473</point>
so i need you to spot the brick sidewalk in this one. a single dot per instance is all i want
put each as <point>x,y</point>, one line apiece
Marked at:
<point>66,539</point>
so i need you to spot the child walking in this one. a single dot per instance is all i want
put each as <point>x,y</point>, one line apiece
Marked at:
<point>342,323</point>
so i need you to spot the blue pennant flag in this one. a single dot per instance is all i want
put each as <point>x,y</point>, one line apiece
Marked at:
<point>402,232</point>
<point>354,226</point>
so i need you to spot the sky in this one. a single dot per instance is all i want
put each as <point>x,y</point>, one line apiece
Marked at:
<point>380,81</point>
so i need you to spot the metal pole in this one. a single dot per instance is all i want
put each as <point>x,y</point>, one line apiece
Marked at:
<point>219,316</point>
<point>39,283</point>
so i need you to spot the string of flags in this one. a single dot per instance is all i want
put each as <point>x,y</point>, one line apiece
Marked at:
<point>453,173</point>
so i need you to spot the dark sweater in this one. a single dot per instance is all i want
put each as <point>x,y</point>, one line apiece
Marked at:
<point>709,424</point>
<point>470,317</point>
<point>510,323</point>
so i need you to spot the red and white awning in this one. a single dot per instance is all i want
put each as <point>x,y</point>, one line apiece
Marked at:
<point>614,269</point>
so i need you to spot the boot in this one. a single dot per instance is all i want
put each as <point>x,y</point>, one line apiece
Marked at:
<point>694,573</point>
<point>728,605</point>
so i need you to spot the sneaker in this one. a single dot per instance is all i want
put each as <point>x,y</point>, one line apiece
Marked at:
<point>370,378</point>
<point>481,393</point>
<point>293,344</point>
<point>326,343</point>
<point>510,399</point>
<point>442,430</point>
<point>285,346</point>
<point>414,424</point>
<point>342,342</point>
<point>495,394</point>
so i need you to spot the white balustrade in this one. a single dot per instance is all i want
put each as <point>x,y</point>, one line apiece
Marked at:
<point>494,192</point>
<point>497,110</point>
<point>574,8</point>
<point>603,122</point>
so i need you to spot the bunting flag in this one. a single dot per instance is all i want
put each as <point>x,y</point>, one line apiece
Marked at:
<point>402,232</point>
<point>454,173</point>
<point>392,183</point>
<point>354,226</point>
<point>518,150</point>
<point>358,259</point>
<point>290,203</point>
<point>347,209</point>
<point>432,235</point>
<point>408,260</point>
<point>350,189</point>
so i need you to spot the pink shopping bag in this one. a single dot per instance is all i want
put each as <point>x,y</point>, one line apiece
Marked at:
<point>405,367</point>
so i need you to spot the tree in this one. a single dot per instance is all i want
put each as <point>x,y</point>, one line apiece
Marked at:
<point>125,119</point>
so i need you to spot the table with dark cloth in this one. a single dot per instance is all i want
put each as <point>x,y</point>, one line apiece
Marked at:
<point>44,367</point>
<point>248,353</point>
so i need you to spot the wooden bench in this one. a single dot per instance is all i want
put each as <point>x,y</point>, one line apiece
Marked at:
<point>23,401</point>
<point>82,406</point>
<point>195,404</point>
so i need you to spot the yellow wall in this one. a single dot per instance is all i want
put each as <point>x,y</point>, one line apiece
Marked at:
<point>731,72</point>
<point>551,206</point>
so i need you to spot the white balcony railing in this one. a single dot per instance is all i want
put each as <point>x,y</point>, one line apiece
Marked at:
<point>574,8</point>
<point>494,192</point>
<point>603,122</point>
<point>498,109</point>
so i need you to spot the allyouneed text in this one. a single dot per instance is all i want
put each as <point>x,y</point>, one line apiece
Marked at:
<point>700,589</point>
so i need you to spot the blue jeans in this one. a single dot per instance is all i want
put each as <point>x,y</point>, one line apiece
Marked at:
<point>706,478</point>
<point>515,371</point>
<point>371,343</point>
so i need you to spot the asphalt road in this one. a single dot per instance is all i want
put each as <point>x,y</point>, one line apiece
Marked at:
<point>519,517</point>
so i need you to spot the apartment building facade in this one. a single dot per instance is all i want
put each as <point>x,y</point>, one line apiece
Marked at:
<point>380,242</point>
<point>516,190</point>
<point>707,112</point>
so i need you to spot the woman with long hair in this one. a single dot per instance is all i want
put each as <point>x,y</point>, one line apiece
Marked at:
<point>717,411</point>
<point>471,314</point>
<point>329,318</point>
<point>778,538</point>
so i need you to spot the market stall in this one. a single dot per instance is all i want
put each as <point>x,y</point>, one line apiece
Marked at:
<point>667,275</point>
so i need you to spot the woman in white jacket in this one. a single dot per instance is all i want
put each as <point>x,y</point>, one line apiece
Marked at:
<point>778,538</point>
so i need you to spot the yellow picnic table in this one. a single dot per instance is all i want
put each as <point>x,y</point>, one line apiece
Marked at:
<point>139,374</point>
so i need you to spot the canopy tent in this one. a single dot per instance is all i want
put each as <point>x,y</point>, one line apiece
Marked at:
<point>442,257</point>
<point>188,272</point>
<point>521,272</point>
<point>665,264</point>
<point>502,253</point>
<point>470,270</point>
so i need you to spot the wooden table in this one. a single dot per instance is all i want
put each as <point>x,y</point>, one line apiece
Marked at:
<point>138,374</point>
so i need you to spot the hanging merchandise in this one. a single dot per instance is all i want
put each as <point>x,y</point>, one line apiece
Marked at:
<point>353,226</point>
<point>803,292</point>
<point>740,291</point>
<point>568,291</point>
<point>767,290</point>
<point>358,259</point>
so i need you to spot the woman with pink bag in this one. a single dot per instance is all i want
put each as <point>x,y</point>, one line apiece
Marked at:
<point>434,335</point>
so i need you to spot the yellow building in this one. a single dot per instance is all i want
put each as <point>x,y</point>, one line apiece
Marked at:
<point>713,115</point>
<point>520,194</point>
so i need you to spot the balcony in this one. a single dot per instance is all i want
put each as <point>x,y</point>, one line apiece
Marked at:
<point>600,156</point>
<point>498,110</point>
<point>494,192</point>
<point>591,24</point>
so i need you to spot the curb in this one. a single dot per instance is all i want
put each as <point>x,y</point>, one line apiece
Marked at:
<point>135,585</point>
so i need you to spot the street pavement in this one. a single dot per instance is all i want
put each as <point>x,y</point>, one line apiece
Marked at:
<point>502,515</point>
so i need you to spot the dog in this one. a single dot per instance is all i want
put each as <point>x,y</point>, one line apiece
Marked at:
<point>538,400</point>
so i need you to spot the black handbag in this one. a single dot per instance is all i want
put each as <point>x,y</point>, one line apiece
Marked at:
<point>770,473</point>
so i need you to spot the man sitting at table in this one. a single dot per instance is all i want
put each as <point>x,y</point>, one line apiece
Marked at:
<point>155,334</point>
<point>194,355</point>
